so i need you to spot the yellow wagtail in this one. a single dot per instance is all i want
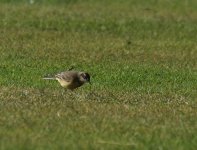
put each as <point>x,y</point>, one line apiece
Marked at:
<point>71,79</point>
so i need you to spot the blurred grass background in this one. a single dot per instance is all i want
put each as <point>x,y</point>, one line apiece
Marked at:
<point>142,59</point>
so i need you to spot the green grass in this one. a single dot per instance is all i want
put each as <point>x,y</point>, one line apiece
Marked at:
<point>142,59</point>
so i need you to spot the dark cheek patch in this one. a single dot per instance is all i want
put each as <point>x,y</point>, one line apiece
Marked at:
<point>87,76</point>
<point>83,75</point>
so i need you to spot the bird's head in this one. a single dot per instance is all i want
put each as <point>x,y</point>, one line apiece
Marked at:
<point>85,77</point>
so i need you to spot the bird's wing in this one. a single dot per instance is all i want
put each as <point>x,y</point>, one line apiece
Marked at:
<point>67,76</point>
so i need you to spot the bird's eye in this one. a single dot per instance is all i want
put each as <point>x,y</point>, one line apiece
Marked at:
<point>86,76</point>
<point>83,75</point>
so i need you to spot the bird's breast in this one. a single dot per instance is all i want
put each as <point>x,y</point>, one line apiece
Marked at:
<point>63,83</point>
<point>69,85</point>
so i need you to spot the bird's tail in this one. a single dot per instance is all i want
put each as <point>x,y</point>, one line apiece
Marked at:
<point>49,78</point>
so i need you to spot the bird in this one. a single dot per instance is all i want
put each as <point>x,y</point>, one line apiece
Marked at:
<point>71,79</point>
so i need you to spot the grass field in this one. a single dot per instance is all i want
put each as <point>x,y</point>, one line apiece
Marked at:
<point>142,56</point>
